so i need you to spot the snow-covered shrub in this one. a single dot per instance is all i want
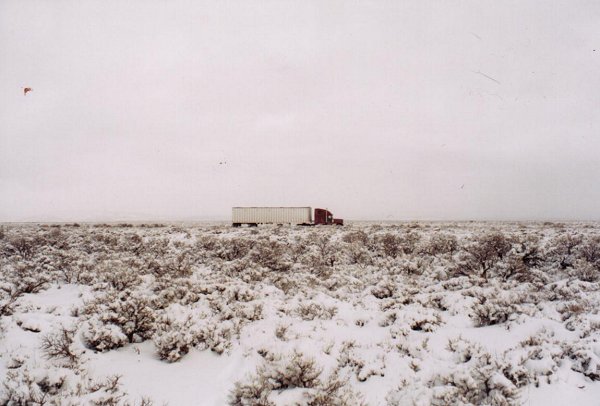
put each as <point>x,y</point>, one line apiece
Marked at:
<point>240,293</point>
<point>345,353</point>
<point>357,254</point>
<point>334,392</point>
<point>363,363</point>
<point>292,371</point>
<point>102,337</point>
<point>513,368</point>
<point>30,276</point>
<point>584,360</point>
<point>512,267</point>
<point>462,350</point>
<point>226,307</point>
<point>418,350</point>
<point>174,339</point>
<point>327,253</point>
<point>572,308</point>
<point>458,281</point>
<point>313,310</point>
<point>75,268</point>
<point>281,331</point>
<point>285,282</point>
<point>233,248</point>
<point>270,254</point>
<point>179,290</point>
<point>586,271</point>
<point>8,298</point>
<point>132,312</point>
<point>590,250</point>
<point>102,241</point>
<point>29,385</point>
<point>217,336</point>
<point>132,242</point>
<point>23,246</point>
<point>482,384</point>
<point>254,391</point>
<point>390,244</point>
<point>489,313</point>
<point>56,238</point>
<point>439,302</point>
<point>423,319</point>
<point>174,265</point>
<point>115,274</point>
<point>157,247</point>
<point>298,249</point>
<point>529,250</point>
<point>205,245</point>
<point>494,307</point>
<point>539,356</point>
<point>479,381</point>
<point>59,345</point>
<point>384,289</point>
<point>441,243</point>
<point>278,372</point>
<point>563,249</point>
<point>415,266</point>
<point>409,242</point>
<point>248,312</point>
<point>358,237</point>
<point>485,250</point>
<point>32,387</point>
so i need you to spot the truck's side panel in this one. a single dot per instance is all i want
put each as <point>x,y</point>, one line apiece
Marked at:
<point>271,215</point>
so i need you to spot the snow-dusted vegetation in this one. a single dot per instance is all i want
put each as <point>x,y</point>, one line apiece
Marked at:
<point>377,314</point>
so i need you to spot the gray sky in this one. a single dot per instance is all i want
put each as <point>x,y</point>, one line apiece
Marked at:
<point>376,110</point>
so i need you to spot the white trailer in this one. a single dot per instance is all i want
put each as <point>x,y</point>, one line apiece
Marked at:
<point>254,216</point>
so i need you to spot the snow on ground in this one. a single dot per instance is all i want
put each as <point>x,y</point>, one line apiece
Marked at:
<point>377,314</point>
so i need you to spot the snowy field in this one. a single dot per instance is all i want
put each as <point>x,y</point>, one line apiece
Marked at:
<point>373,314</point>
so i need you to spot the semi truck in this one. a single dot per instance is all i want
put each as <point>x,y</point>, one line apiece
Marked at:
<point>253,216</point>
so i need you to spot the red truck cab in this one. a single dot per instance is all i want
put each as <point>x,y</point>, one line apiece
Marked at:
<point>324,217</point>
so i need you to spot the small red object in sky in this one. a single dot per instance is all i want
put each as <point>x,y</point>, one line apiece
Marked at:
<point>26,89</point>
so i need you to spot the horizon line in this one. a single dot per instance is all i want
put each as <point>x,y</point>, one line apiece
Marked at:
<point>222,220</point>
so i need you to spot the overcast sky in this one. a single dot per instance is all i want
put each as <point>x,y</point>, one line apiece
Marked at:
<point>158,110</point>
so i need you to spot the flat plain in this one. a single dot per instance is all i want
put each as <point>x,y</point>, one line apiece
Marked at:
<point>413,313</point>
